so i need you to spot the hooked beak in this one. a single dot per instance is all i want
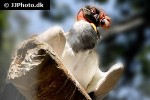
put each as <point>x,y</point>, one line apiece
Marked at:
<point>94,27</point>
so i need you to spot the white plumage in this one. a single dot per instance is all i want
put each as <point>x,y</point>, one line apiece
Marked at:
<point>82,62</point>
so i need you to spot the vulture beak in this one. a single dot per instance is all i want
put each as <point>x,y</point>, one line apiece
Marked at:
<point>94,27</point>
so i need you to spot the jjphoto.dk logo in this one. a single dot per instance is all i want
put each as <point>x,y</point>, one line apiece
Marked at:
<point>39,4</point>
<point>25,5</point>
<point>6,5</point>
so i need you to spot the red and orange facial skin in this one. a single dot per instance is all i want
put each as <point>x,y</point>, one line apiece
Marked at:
<point>105,20</point>
<point>80,16</point>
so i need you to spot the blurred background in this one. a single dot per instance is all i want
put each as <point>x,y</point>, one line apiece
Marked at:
<point>128,41</point>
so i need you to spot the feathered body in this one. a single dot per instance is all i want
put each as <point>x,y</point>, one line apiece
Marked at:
<point>77,51</point>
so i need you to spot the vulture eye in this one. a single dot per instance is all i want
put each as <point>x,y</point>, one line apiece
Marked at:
<point>93,10</point>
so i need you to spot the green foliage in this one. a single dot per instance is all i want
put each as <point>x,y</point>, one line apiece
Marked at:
<point>3,21</point>
<point>121,1</point>
<point>144,58</point>
<point>57,13</point>
<point>101,1</point>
